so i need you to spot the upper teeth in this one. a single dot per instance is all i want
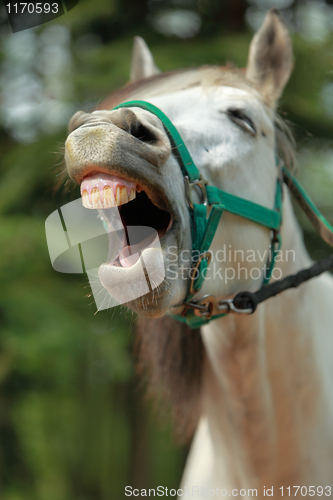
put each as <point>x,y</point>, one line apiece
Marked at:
<point>106,191</point>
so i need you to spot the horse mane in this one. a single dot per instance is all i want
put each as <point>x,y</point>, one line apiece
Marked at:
<point>285,143</point>
<point>170,358</point>
<point>180,79</point>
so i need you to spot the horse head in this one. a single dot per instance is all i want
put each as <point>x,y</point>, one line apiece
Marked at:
<point>123,157</point>
<point>257,388</point>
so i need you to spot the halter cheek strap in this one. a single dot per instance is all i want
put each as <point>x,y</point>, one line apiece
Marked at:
<point>203,229</point>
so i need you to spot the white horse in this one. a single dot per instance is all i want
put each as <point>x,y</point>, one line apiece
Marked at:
<point>257,388</point>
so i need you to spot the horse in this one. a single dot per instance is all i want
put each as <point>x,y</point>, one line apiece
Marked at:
<point>254,390</point>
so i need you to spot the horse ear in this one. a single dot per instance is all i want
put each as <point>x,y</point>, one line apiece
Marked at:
<point>143,64</point>
<point>271,57</point>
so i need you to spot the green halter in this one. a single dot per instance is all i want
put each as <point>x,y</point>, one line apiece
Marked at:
<point>202,228</point>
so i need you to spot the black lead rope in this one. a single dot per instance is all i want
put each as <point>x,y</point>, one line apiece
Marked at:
<point>250,300</point>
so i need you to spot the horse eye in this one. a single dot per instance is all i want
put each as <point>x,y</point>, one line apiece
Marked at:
<point>241,120</point>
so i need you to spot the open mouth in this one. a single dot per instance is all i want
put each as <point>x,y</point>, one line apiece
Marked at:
<point>142,220</point>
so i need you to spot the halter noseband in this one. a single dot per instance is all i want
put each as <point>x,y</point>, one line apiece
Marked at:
<point>203,229</point>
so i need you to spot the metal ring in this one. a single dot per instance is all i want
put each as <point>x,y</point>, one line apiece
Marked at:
<point>229,305</point>
<point>189,185</point>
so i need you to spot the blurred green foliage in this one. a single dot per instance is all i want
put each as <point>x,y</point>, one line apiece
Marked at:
<point>73,424</point>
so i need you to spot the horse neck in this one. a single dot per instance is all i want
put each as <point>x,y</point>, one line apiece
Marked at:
<point>259,377</point>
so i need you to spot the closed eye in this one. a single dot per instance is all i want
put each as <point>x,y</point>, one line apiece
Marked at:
<point>242,120</point>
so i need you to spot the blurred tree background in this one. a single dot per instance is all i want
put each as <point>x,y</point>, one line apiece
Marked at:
<point>73,423</point>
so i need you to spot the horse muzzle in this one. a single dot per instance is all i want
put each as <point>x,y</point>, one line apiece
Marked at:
<point>114,142</point>
<point>118,159</point>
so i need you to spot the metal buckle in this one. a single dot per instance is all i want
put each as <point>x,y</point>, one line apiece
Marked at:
<point>189,185</point>
<point>204,255</point>
<point>208,302</point>
<point>203,307</point>
<point>207,307</point>
<point>276,239</point>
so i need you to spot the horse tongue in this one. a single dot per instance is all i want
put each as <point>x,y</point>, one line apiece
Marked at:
<point>130,255</point>
<point>127,258</point>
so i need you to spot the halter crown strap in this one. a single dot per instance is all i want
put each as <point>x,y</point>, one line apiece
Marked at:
<point>203,229</point>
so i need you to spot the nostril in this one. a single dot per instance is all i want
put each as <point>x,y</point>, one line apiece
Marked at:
<point>77,120</point>
<point>142,133</point>
<point>127,120</point>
